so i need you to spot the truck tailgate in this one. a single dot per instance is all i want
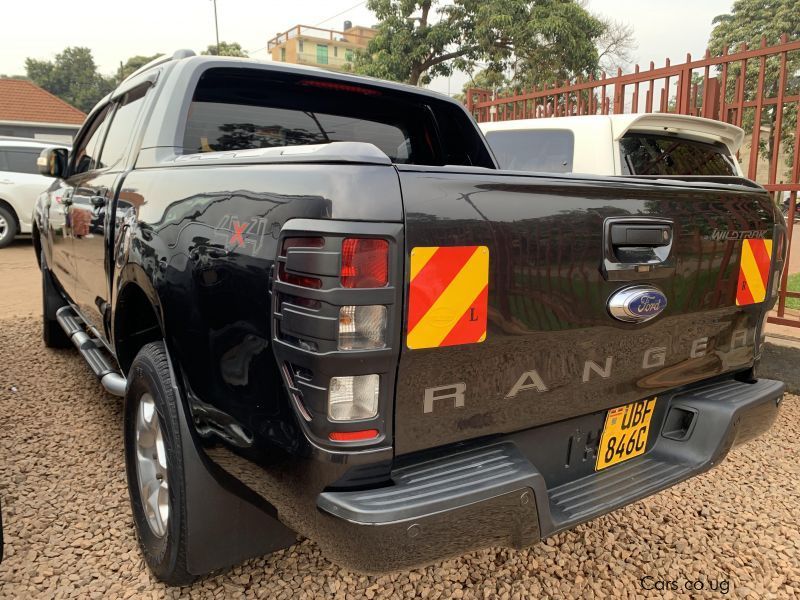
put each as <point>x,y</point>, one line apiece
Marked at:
<point>532,340</point>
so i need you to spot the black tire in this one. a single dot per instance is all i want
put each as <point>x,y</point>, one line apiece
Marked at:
<point>164,555</point>
<point>52,333</point>
<point>8,226</point>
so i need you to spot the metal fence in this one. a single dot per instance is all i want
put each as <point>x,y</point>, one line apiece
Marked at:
<point>755,88</point>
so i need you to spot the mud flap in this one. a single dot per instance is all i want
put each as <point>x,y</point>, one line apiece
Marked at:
<point>223,528</point>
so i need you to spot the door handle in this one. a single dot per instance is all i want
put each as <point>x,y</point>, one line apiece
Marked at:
<point>627,235</point>
<point>637,248</point>
<point>6,181</point>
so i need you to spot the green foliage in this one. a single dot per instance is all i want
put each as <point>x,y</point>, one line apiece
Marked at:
<point>133,64</point>
<point>225,49</point>
<point>750,19</point>
<point>72,76</point>
<point>538,41</point>
<point>747,22</point>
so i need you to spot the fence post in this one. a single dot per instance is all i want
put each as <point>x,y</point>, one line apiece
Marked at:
<point>682,102</point>
<point>711,101</point>
<point>619,94</point>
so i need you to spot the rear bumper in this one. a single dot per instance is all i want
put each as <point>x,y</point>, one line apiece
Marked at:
<point>495,495</point>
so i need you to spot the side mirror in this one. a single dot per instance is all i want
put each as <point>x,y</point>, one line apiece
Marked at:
<point>52,162</point>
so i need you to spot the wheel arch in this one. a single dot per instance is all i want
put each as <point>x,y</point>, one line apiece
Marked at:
<point>37,243</point>
<point>7,205</point>
<point>137,316</point>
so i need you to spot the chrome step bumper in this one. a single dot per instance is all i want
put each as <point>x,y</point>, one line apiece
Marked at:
<point>92,350</point>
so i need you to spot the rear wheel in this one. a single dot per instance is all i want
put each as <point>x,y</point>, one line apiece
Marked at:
<point>52,333</point>
<point>8,227</point>
<point>154,465</point>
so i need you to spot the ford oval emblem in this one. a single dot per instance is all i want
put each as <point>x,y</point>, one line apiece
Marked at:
<point>637,304</point>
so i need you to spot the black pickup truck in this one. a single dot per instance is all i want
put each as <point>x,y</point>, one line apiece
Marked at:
<point>331,315</point>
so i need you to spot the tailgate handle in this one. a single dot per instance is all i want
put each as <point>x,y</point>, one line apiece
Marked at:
<point>636,248</point>
<point>639,235</point>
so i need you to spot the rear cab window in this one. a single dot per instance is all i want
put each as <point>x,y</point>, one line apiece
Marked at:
<point>541,150</point>
<point>643,153</point>
<point>237,109</point>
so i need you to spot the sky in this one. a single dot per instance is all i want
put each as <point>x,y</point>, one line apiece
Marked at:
<point>116,30</point>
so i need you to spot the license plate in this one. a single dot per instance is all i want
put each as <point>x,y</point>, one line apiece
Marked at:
<point>625,433</point>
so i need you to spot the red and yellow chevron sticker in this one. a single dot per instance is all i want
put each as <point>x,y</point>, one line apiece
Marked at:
<point>753,271</point>
<point>448,296</point>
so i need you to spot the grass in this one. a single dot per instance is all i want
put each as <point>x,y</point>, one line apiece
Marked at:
<point>793,285</point>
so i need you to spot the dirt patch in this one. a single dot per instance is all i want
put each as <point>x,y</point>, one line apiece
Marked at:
<point>20,284</point>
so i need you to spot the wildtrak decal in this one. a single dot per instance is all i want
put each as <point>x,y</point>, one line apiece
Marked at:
<point>723,235</point>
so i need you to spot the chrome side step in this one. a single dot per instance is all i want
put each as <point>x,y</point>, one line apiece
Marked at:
<point>92,350</point>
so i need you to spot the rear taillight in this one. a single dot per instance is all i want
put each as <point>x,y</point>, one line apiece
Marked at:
<point>301,242</point>
<point>353,397</point>
<point>301,280</point>
<point>353,436</point>
<point>362,327</point>
<point>365,263</point>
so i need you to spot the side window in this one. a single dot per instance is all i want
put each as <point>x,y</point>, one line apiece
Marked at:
<point>542,150</point>
<point>86,152</point>
<point>121,128</point>
<point>22,161</point>
<point>3,165</point>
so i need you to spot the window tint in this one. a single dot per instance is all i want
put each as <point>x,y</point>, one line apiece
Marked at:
<point>217,126</point>
<point>22,160</point>
<point>121,128</point>
<point>542,150</point>
<point>648,154</point>
<point>86,152</point>
<point>235,109</point>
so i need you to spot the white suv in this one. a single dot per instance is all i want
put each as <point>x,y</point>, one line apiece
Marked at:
<point>20,185</point>
<point>638,144</point>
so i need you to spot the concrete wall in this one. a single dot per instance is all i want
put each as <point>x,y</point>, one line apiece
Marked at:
<point>63,135</point>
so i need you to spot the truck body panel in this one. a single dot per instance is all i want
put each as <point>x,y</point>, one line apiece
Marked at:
<point>223,230</point>
<point>548,314</point>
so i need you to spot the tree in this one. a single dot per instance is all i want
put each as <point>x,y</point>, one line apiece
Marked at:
<point>133,64</point>
<point>539,41</point>
<point>72,76</point>
<point>615,45</point>
<point>747,22</point>
<point>225,49</point>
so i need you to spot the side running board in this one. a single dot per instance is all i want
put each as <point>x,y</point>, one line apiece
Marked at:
<point>92,350</point>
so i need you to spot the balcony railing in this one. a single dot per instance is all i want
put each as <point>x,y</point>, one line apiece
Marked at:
<point>332,35</point>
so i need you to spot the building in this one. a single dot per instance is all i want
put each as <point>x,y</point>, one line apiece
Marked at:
<point>28,111</point>
<point>325,48</point>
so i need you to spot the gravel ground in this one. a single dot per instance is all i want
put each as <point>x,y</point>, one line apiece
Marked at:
<point>69,533</point>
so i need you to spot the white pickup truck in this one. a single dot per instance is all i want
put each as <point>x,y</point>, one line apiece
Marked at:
<point>640,144</point>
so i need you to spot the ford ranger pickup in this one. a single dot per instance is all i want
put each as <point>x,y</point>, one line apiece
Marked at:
<point>331,315</point>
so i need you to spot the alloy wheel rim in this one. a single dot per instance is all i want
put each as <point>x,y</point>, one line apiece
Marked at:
<point>151,466</point>
<point>3,227</point>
